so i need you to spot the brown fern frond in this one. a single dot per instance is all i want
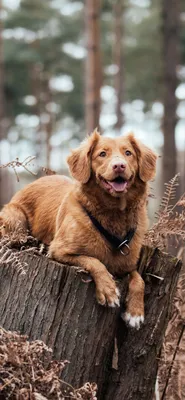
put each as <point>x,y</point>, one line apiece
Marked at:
<point>171,220</point>
<point>13,245</point>
<point>181,201</point>
<point>28,371</point>
<point>169,196</point>
<point>9,256</point>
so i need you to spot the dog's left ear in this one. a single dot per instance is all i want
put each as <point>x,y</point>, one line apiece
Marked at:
<point>80,160</point>
<point>146,159</point>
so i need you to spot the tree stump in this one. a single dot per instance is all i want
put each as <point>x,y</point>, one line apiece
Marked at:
<point>139,351</point>
<point>56,303</point>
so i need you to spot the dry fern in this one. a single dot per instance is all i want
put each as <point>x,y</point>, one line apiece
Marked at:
<point>13,245</point>
<point>9,256</point>
<point>27,371</point>
<point>171,366</point>
<point>169,195</point>
<point>171,221</point>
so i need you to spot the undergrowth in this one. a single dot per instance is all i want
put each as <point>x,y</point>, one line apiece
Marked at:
<point>170,223</point>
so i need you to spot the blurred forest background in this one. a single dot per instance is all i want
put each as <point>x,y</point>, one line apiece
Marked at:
<point>69,66</point>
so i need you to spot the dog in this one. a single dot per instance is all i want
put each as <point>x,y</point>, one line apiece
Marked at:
<point>96,221</point>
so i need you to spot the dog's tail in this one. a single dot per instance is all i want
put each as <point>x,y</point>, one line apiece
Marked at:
<point>13,220</point>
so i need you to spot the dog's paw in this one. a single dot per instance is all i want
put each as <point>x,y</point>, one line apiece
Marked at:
<point>115,301</point>
<point>108,294</point>
<point>134,321</point>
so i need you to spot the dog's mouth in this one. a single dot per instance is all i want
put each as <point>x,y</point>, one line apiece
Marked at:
<point>118,184</point>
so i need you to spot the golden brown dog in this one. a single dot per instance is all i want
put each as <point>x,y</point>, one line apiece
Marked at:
<point>82,220</point>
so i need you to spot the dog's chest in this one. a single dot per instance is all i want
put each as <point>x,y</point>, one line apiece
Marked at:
<point>115,259</point>
<point>119,223</point>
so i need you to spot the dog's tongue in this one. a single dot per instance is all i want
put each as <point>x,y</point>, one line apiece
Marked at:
<point>118,186</point>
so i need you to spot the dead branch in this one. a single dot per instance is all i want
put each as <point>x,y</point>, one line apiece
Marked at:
<point>17,164</point>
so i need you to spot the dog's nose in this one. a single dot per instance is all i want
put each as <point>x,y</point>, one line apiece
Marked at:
<point>119,167</point>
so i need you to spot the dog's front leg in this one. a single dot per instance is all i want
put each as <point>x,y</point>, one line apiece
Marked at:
<point>134,315</point>
<point>106,290</point>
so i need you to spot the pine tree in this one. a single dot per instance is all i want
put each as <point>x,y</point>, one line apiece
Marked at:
<point>118,59</point>
<point>93,64</point>
<point>171,22</point>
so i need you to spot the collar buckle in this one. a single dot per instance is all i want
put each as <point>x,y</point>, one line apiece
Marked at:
<point>125,244</point>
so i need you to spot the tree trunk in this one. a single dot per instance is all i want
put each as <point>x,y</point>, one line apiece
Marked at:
<point>118,61</point>
<point>171,369</point>
<point>170,29</point>
<point>48,146</point>
<point>52,302</point>
<point>93,74</point>
<point>2,133</point>
<point>2,100</point>
<point>138,351</point>
<point>57,304</point>
<point>48,125</point>
<point>36,84</point>
<point>42,93</point>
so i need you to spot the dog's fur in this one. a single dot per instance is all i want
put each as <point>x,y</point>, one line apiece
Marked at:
<point>53,209</point>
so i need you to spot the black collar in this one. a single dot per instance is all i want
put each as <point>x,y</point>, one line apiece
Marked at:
<point>116,242</point>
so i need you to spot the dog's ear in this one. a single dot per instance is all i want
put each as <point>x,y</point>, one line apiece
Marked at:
<point>80,160</point>
<point>146,159</point>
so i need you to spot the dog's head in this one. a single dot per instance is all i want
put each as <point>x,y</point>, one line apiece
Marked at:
<point>114,163</point>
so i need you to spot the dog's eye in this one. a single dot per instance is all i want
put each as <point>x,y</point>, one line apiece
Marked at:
<point>102,154</point>
<point>128,153</point>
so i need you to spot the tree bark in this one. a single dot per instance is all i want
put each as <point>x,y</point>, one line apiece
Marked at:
<point>118,60</point>
<point>2,99</point>
<point>42,93</point>
<point>171,369</point>
<point>170,31</point>
<point>138,351</point>
<point>93,75</point>
<point>49,126</point>
<point>36,84</point>
<point>52,303</point>
<point>57,304</point>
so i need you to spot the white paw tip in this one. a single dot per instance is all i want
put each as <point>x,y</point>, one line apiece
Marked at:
<point>114,303</point>
<point>102,303</point>
<point>117,302</point>
<point>133,321</point>
<point>117,292</point>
